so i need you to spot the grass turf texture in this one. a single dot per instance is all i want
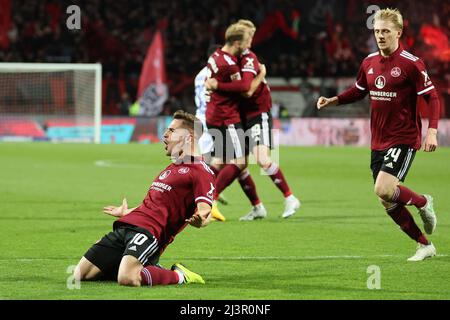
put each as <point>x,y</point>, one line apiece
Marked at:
<point>51,198</point>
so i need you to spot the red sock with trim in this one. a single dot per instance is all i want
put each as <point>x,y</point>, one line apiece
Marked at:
<point>249,187</point>
<point>407,197</point>
<point>152,276</point>
<point>278,178</point>
<point>225,177</point>
<point>404,219</point>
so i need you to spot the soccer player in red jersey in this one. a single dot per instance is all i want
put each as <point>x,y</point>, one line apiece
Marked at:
<point>394,78</point>
<point>222,108</point>
<point>182,193</point>
<point>255,104</point>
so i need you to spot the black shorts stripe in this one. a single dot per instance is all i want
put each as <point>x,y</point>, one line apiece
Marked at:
<point>148,252</point>
<point>396,161</point>
<point>405,165</point>
<point>107,253</point>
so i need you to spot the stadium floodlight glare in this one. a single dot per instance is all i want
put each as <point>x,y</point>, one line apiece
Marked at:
<point>65,94</point>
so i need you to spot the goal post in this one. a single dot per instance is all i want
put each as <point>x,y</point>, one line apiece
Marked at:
<point>51,101</point>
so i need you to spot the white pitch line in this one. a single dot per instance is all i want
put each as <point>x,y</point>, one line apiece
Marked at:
<point>112,164</point>
<point>261,258</point>
<point>293,258</point>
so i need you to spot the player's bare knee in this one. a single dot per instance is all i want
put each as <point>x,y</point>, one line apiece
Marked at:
<point>78,274</point>
<point>129,280</point>
<point>264,162</point>
<point>383,192</point>
<point>86,271</point>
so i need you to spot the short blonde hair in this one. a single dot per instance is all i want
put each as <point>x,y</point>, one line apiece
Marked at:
<point>248,24</point>
<point>392,15</point>
<point>235,32</point>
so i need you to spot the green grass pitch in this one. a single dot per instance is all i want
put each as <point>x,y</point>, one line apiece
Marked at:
<point>51,196</point>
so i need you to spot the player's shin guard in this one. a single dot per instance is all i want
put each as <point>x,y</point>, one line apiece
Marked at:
<point>249,187</point>
<point>404,219</point>
<point>152,276</point>
<point>405,196</point>
<point>278,178</point>
<point>225,177</point>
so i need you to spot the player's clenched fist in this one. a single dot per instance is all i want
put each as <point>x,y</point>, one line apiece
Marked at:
<point>323,102</point>
<point>211,84</point>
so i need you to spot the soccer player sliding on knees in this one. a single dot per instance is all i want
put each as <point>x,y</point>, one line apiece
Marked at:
<point>181,194</point>
<point>394,78</point>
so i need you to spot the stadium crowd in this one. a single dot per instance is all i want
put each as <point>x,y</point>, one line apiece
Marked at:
<point>295,38</point>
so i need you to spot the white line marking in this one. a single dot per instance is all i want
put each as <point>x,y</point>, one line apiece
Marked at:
<point>116,164</point>
<point>261,258</point>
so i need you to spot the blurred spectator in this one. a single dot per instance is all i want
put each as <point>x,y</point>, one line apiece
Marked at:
<point>125,104</point>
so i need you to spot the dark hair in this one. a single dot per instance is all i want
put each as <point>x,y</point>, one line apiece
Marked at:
<point>190,122</point>
<point>211,49</point>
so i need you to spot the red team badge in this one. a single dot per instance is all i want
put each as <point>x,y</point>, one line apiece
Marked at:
<point>164,175</point>
<point>183,170</point>
<point>396,72</point>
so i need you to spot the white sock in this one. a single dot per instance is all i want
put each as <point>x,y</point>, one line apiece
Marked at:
<point>290,198</point>
<point>180,277</point>
<point>272,169</point>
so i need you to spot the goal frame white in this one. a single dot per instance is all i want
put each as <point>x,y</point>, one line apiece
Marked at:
<point>96,67</point>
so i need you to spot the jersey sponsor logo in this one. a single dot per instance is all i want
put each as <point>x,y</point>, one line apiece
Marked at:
<point>382,95</point>
<point>380,82</point>
<point>370,71</point>
<point>183,170</point>
<point>235,76</point>
<point>161,187</point>
<point>249,63</point>
<point>164,175</point>
<point>396,72</point>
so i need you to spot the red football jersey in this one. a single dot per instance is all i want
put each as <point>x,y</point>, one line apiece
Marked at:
<point>172,199</point>
<point>394,83</point>
<point>222,108</point>
<point>260,101</point>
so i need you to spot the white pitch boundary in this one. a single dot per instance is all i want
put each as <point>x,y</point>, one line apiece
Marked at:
<point>294,258</point>
<point>110,164</point>
<point>261,258</point>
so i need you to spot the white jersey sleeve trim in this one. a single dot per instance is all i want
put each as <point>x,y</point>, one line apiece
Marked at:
<point>425,90</point>
<point>359,87</point>
<point>204,199</point>
<point>249,70</point>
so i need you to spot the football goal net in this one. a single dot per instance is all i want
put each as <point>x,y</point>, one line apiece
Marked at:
<point>50,101</point>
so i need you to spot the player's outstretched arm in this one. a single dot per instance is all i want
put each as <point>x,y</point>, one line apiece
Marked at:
<point>256,81</point>
<point>118,212</point>
<point>324,102</point>
<point>202,216</point>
